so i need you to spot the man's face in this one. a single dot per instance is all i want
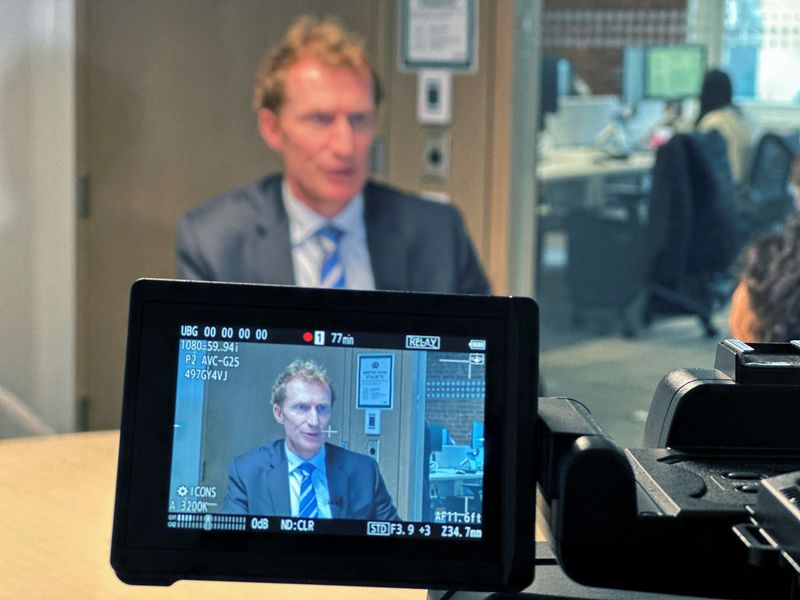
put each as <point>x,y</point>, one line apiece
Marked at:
<point>304,414</point>
<point>324,132</point>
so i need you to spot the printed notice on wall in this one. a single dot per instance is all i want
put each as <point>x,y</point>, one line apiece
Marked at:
<point>375,381</point>
<point>438,34</point>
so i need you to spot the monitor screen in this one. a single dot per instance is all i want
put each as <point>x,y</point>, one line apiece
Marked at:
<point>555,82</point>
<point>674,72</point>
<point>384,434</point>
<point>355,404</point>
<point>632,91</point>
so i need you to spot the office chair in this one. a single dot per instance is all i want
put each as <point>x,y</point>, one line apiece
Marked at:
<point>766,200</point>
<point>692,230</point>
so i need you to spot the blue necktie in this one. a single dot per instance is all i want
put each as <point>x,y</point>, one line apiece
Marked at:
<point>332,273</point>
<point>308,498</point>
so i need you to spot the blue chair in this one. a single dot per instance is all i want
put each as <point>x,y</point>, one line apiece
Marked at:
<point>692,234</point>
<point>766,200</point>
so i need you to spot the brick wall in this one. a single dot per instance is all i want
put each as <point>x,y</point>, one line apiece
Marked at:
<point>457,415</point>
<point>455,394</point>
<point>592,34</point>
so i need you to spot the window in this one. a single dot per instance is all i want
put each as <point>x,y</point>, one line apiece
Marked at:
<point>760,47</point>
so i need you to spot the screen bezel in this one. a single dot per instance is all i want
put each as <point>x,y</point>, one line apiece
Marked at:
<point>144,550</point>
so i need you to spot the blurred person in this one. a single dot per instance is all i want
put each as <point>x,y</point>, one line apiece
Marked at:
<point>322,223</point>
<point>717,111</point>
<point>765,306</point>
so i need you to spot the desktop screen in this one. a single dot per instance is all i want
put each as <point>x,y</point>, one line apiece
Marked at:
<point>555,82</point>
<point>674,72</point>
<point>395,396</point>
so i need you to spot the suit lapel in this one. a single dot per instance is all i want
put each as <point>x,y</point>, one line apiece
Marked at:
<point>277,480</point>
<point>385,243</point>
<point>337,481</point>
<point>271,258</point>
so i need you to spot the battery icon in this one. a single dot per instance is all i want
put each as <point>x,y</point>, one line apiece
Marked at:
<point>319,338</point>
<point>477,344</point>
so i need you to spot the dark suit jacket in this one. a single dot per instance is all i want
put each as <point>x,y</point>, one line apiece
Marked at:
<point>414,244</point>
<point>258,484</point>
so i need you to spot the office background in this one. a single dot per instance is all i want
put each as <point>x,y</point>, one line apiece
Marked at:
<point>118,117</point>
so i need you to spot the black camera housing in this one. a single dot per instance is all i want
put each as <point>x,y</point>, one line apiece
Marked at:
<point>662,518</point>
<point>145,551</point>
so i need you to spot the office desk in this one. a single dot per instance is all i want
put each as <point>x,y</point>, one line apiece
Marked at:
<point>582,183</point>
<point>454,475</point>
<point>578,177</point>
<point>56,507</point>
<point>563,164</point>
<point>452,482</point>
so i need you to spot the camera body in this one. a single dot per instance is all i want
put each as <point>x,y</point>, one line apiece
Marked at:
<point>662,518</point>
<point>741,404</point>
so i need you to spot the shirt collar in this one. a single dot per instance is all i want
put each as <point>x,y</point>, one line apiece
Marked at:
<point>318,460</point>
<point>304,222</point>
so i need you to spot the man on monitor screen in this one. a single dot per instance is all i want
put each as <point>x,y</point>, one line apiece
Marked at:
<point>301,475</point>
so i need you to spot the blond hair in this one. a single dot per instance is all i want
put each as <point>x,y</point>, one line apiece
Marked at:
<point>305,370</point>
<point>327,41</point>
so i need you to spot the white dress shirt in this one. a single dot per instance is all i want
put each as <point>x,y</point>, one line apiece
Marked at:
<point>319,479</point>
<point>307,253</point>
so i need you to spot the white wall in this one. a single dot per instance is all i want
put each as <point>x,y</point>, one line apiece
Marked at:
<point>37,206</point>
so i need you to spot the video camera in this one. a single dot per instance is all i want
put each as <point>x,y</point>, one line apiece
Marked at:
<point>431,399</point>
<point>707,507</point>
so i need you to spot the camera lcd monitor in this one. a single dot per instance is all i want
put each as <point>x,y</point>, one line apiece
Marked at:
<point>282,434</point>
<point>673,72</point>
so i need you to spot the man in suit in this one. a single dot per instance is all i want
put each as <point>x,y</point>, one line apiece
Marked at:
<point>301,475</point>
<point>321,223</point>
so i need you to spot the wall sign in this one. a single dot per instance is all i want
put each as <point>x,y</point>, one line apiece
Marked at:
<point>438,34</point>
<point>375,381</point>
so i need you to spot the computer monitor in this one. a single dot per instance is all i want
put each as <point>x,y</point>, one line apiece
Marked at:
<point>439,435</point>
<point>477,435</point>
<point>662,73</point>
<point>673,72</point>
<point>632,75</point>
<point>580,119</point>
<point>556,81</point>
